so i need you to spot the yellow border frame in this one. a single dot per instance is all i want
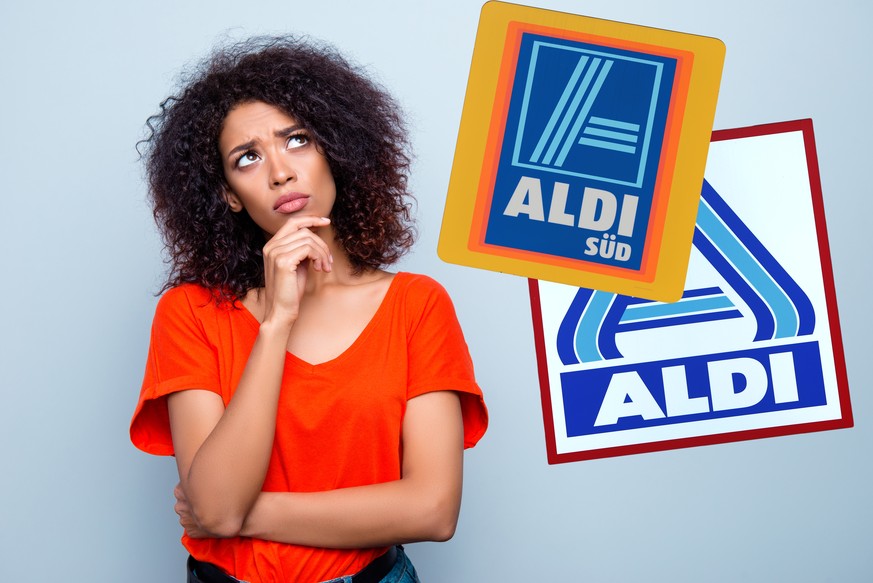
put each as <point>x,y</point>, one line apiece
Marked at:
<point>680,175</point>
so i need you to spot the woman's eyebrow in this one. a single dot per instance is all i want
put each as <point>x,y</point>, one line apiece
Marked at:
<point>287,131</point>
<point>242,148</point>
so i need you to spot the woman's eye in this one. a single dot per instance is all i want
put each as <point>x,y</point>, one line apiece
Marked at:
<point>297,141</point>
<point>246,159</point>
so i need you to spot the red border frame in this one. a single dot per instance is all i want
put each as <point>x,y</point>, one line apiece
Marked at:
<point>846,420</point>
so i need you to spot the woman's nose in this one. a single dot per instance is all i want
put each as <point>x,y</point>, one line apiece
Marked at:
<point>281,171</point>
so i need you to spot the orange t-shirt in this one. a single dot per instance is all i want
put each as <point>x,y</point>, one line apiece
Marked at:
<point>338,423</point>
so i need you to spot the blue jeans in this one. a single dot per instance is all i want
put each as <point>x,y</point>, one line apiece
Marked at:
<point>402,572</point>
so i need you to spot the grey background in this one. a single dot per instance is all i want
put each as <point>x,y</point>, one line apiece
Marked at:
<point>80,263</point>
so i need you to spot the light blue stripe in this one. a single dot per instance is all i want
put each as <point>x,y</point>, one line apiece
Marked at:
<point>589,103</point>
<point>614,123</point>
<point>610,134</point>
<point>778,301</point>
<point>580,175</point>
<point>691,306</point>
<point>589,326</point>
<point>607,145</point>
<point>571,112</point>
<point>556,114</point>
<point>519,135</point>
<point>600,53</point>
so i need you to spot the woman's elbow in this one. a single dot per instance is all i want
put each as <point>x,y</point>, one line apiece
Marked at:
<point>441,519</point>
<point>443,531</point>
<point>223,528</point>
<point>218,523</point>
<point>206,516</point>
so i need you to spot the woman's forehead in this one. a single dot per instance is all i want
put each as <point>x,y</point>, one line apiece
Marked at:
<point>254,120</point>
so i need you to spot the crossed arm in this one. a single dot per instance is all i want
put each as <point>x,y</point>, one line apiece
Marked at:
<point>222,455</point>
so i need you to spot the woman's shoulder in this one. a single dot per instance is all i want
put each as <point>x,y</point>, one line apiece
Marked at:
<point>189,300</point>
<point>419,289</point>
<point>421,293</point>
<point>418,283</point>
<point>190,294</point>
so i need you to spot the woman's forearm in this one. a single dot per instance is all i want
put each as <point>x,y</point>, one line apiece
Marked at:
<point>366,516</point>
<point>422,505</point>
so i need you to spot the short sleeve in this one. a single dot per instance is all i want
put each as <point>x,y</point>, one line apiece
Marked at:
<point>180,357</point>
<point>439,358</point>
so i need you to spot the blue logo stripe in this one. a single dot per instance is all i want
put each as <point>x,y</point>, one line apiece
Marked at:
<point>748,266</point>
<point>571,112</point>
<point>586,109</point>
<point>566,340</point>
<point>762,313</point>
<point>689,293</point>
<point>611,324</point>
<point>607,145</point>
<point>691,306</point>
<point>525,103</point>
<point>613,123</point>
<point>589,326</point>
<point>677,321</point>
<point>622,137</point>
<point>802,305</point>
<point>556,114</point>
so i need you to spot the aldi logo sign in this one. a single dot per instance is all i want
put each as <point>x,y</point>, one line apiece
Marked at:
<point>752,349</point>
<point>581,151</point>
<point>586,134</point>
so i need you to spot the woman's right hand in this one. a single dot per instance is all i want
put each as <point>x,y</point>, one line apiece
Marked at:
<point>288,255</point>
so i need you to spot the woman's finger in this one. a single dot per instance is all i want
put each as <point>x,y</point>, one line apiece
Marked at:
<point>314,246</point>
<point>296,223</point>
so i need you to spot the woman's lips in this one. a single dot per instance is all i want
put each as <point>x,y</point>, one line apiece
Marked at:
<point>291,203</point>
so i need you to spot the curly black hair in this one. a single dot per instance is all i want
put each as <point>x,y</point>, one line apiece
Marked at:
<point>354,122</point>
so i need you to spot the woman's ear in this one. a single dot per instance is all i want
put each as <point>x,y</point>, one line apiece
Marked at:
<point>233,201</point>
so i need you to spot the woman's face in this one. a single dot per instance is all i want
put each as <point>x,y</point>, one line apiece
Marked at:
<point>272,167</point>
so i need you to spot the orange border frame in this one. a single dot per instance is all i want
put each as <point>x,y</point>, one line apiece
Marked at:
<point>666,164</point>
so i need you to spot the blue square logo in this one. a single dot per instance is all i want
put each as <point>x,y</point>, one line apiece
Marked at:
<point>578,164</point>
<point>587,113</point>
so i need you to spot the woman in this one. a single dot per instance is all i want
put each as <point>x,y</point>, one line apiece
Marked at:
<point>317,406</point>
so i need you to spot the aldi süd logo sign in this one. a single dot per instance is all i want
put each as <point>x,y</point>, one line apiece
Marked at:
<point>752,349</point>
<point>581,153</point>
<point>589,120</point>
